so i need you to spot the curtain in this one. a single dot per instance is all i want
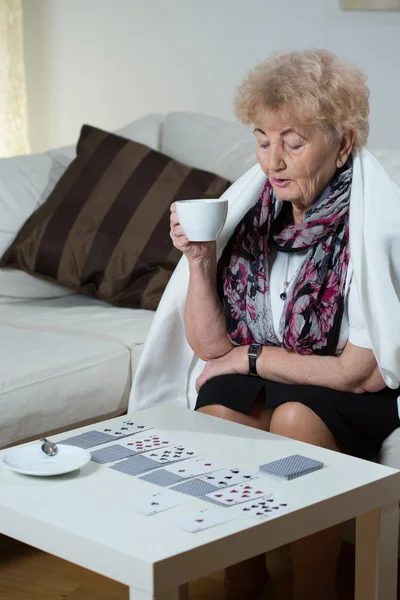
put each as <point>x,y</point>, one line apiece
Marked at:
<point>13,107</point>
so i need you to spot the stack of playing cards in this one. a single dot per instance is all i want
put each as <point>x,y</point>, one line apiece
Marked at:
<point>291,466</point>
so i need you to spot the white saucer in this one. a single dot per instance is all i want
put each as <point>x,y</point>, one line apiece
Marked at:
<point>31,460</point>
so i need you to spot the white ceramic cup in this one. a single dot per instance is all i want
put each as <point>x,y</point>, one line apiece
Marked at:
<point>202,220</point>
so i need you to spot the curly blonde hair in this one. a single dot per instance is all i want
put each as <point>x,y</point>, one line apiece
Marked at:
<point>316,85</point>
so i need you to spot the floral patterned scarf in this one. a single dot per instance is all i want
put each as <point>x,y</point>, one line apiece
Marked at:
<point>313,309</point>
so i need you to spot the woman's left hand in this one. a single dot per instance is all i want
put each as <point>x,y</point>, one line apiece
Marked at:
<point>235,362</point>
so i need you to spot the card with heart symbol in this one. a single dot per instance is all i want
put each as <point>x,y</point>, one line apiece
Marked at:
<point>195,519</point>
<point>237,494</point>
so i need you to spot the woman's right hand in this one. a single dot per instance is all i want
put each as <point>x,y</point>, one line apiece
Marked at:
<point>194,251</point>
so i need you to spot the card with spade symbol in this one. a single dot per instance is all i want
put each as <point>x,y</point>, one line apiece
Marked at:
<point>162,453</point>
<point>195,520</point>
<point>171,454</point>
<point>265,508</point>
<point>211,482</point>
<point>227,477</point>
<point>109,433</point>
<point>192,468</point>
<point>156,503</point>
<point>124,429</point>
<point>231,496</point>
<point>178,472</point>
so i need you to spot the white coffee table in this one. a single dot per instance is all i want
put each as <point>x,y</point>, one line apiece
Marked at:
<point>83,517</point>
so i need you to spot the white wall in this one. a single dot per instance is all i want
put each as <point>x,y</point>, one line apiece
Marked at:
<point>107,62</point>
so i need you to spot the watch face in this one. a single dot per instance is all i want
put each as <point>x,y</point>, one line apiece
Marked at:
<point>254,349</point>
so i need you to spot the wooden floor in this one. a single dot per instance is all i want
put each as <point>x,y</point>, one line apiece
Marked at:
<point>28,574</point>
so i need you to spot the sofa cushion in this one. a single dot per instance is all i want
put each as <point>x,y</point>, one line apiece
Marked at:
<point>78,313</point>
<point>25,183</point>
<point>83,316</point>
<point>16,284</point>
<point>50,380</point>
<point>218,145</point>
<point>104,229</point>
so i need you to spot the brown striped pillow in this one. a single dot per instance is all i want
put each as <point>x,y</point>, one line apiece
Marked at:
<point>104,230</point>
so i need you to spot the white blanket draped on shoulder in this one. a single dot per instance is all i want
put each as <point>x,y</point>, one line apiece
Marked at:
<point>168,367</point>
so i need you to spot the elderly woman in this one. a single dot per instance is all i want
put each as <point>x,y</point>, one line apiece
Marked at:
<point>278,318</point>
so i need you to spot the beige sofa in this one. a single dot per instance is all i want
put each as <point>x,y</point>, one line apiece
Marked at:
<point>65,358</point>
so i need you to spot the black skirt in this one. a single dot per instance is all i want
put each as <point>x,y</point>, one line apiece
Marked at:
<point>358,422</point>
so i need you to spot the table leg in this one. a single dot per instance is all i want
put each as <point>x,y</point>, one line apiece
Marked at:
<point>182,593</point>
<point>376,554</point>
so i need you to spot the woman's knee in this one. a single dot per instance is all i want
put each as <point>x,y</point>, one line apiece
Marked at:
<point>258,419</point>
<point>217,410</point>
<point>296,421</point>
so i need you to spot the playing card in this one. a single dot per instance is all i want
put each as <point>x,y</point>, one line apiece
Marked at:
<point>153,440</point>
<point>236,494</point>
<point>227,477</point>
<point>152,504</point>
<point>195,520</point>
<point>124,429</point>
<point>96,437</point>
<point>89,439</point>
<point>192,468</point>
<point>111,454</point>
<point>135,465</point>
<point>263,509</point>
<point>291,466</point>
<point>171,454</point>
<point>195,487</point>
<point>161,477</point>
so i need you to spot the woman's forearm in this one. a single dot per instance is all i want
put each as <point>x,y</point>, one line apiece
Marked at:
<point>355,370</point>
<point>204,313</point>
<point>277,364</point>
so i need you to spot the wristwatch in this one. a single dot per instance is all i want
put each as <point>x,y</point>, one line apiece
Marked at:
<point>253,353</point>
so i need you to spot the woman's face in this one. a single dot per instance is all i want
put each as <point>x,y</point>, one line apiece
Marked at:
<point>298,160</point>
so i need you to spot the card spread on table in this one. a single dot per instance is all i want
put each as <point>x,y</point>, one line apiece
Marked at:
<point>237,494</point>
<point>291,466</point>
<point>111,454</point>
<point>136,465</point>
<point>193,468</point>
<point>153,440</point>
<point>109,433</point>
<point>161,477</point>
<point>195,520</point>
<point>125,428</point>
<point>195,487</point>
<point>89,439</point>
<point>263,509</point>
<point>227,477</point>
<point>171,454</point>
<point>155,503</point>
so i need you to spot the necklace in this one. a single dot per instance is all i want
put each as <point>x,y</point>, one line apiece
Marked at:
<point>286,281</point>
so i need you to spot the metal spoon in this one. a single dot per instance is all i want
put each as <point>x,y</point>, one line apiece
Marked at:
<point>49,448</point>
